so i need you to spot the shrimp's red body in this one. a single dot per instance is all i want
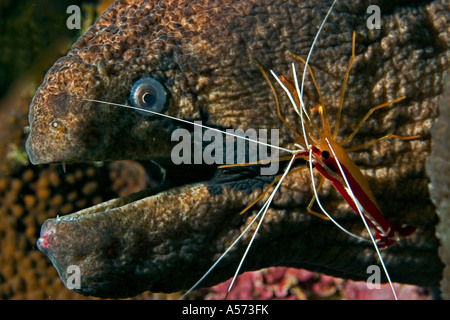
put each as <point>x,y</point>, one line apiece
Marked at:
<point>387,233</point>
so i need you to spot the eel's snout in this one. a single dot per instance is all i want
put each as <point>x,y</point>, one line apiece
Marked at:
<point>53,243</point>
<point>51,117</point>
<point>47,238</point>
<point>48,244</point>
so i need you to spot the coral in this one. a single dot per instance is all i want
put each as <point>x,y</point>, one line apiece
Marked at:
<point>293,284</point>
<point>358,290</point>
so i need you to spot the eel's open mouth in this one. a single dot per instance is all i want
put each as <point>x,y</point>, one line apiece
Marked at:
<point>121,245</point>
<point>162,179</point>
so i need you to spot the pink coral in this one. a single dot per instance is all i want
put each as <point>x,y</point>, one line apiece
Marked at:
<point>360,291</point>
<point>288,284</point>
<point>271,283</point>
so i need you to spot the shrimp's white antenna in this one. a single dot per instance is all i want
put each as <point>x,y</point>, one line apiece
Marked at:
<point>300,93</point>
<point>262,212</point>
<point>191,123</point>
<point>266,208</point>
<point>294,104</point>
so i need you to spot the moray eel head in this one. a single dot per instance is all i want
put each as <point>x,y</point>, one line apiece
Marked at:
<point>66,128</point>
<point>104,66</point>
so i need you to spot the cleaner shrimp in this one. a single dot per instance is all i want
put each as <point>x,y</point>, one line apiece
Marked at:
<point>320,148</point>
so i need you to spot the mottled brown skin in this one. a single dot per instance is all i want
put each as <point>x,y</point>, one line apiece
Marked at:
<point>205,53</point>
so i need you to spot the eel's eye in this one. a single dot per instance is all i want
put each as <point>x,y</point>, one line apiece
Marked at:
<point>148,94</point>
<point>57,126</point>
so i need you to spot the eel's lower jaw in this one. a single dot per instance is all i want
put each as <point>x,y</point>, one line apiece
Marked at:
<point>47,235</point>
<point>162,185</point>
<point>109,205</point>
<point>47,239</point>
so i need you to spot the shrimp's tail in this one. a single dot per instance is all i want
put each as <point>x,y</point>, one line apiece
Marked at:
<point>397,231</point>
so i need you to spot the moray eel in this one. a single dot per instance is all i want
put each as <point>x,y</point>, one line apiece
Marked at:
<point>205,56</point>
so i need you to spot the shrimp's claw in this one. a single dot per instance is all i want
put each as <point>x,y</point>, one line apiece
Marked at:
<point>396,232</point>
<point>403,230</point>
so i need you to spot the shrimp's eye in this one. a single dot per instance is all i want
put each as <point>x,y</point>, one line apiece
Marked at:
<point>148,94</point>
<point>325,154</point>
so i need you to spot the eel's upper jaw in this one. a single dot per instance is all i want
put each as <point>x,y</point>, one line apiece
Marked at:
<point>65,128</point>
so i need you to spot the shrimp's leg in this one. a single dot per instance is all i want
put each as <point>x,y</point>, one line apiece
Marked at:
<point>313,78</point>
<point>368,114</point>
<point>263,194</point>
<point>344,87</point>
<point>388,136</point>
<point>277,102</point>
<point>314,213</point>
<point>265,161</point>
<point>311,74</point>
